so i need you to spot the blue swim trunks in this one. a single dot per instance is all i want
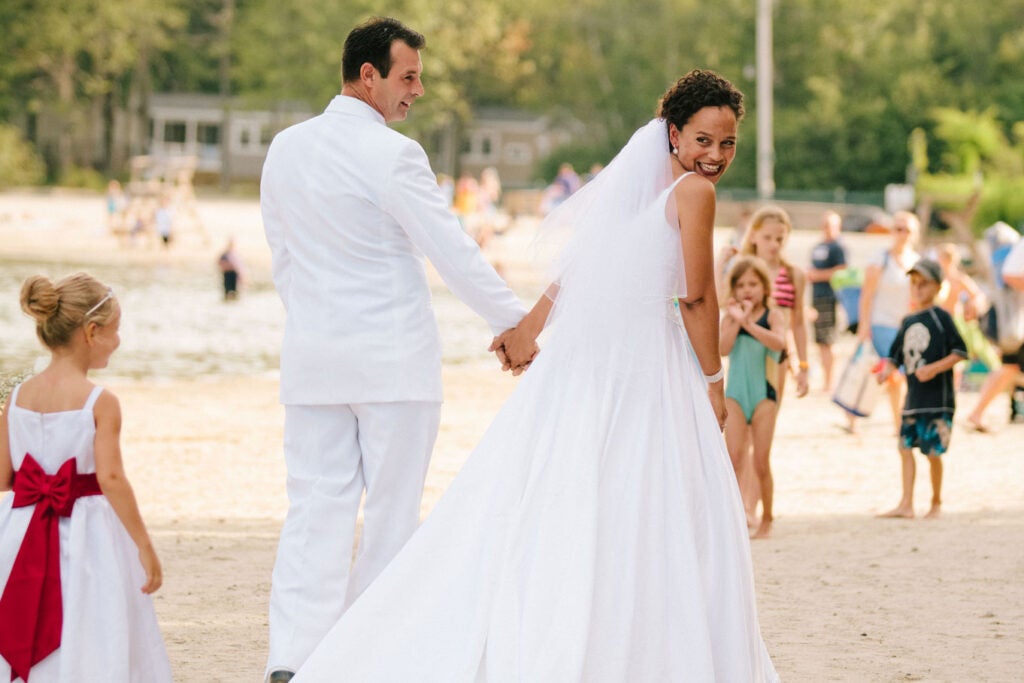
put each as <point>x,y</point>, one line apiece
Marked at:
<point>928,432</point>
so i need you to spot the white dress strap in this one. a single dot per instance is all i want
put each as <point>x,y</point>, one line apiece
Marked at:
<point>676,181</point>
<point>14,393</point>
<point>672,186</point>
<point>93,395</point>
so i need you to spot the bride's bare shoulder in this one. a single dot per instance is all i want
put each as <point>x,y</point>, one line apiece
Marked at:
<point>694,193</point>
<point>694,186</point>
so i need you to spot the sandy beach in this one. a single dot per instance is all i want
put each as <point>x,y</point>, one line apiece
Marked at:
<point>842,596</point>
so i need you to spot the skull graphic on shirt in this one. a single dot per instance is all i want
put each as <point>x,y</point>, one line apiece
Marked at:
<point>915,341</point>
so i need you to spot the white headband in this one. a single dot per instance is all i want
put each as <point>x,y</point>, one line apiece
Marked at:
<point>108,297</point>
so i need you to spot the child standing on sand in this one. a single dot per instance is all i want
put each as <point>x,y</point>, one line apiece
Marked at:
<point>752,336</point>
<point>766,238</point>
<point>76,562</point>
<point>927,346</point>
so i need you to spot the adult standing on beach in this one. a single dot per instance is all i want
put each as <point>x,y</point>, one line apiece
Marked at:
<point>885,301</point>
<point>350,209</point>
<point>827,258</point>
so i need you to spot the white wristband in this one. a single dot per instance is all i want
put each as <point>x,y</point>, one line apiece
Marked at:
<point>711,379</point>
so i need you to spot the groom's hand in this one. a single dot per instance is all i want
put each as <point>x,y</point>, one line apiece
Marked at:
<point>515,349</point>
<point>499,350</point>
<point>520,369</point>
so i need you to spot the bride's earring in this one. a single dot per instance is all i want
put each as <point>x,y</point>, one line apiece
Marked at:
<point>675,150</point>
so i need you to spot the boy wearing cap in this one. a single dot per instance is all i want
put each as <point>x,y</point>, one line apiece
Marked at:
<point>927,346</point>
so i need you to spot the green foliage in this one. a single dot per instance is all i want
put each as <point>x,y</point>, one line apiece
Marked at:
<point>82,177</point>
<point>189,60</point>
<point>1002,200</point>
<point>291,49</point>
<point>853,78</point>
<point>974,149</point>
<point>66,55</point>
<point>969,137</point>
<point>950,190</point>
<point>20,164</point>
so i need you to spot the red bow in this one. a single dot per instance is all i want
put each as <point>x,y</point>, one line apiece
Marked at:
<point>31,613</point>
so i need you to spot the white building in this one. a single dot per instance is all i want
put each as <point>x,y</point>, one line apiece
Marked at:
<point>196,125</point>
<point>199,125</point>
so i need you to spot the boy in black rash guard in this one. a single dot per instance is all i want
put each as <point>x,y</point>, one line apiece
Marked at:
<point>927,346</point>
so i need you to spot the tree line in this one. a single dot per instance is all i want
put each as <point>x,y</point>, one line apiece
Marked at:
<point>854,79</point>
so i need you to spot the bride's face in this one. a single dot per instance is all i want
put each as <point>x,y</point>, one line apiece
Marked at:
<point>707,142</point>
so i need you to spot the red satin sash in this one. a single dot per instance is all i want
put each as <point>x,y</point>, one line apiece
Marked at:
<point>31,612</point>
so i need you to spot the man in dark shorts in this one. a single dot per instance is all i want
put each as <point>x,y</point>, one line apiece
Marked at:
<point>827,258</point>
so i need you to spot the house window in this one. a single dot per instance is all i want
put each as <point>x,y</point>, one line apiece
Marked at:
<point>174,131</point>
<point>481,147</point>
<point>518,153</point>
<point>486,146</point>
<point>243,137</point>
<point>266,134</point>
<point>208,134</point>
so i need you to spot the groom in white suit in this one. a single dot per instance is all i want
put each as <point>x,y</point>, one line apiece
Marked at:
<point>350,209</point>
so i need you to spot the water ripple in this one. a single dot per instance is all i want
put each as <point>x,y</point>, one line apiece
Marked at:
<point>176,324</point>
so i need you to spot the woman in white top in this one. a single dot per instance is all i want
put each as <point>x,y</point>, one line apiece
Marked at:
<point>885,300</point>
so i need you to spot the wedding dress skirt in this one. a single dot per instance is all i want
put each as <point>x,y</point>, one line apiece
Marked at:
<point>596,533</point>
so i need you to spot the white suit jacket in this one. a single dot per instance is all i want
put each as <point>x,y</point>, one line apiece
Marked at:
<point>350,208</point>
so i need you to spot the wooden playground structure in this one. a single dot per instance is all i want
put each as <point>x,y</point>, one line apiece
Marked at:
<point>158,204</point>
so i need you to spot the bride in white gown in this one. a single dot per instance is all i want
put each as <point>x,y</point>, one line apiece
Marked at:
<point>596,532</point>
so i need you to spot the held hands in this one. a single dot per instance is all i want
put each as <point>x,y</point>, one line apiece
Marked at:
<point>151,565</point>
<point>515,349</point>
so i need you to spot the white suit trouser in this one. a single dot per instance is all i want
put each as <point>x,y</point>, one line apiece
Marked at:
<point>333,453</point>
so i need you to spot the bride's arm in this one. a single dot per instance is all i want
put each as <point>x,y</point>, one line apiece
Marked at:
<point>518,347</point>
<point>695,202</point>
<point>695,206</point>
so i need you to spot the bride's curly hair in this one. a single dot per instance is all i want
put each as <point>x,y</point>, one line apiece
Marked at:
<point>694,91</point>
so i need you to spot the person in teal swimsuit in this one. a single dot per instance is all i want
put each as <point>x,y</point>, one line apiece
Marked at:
<point>752,336</point>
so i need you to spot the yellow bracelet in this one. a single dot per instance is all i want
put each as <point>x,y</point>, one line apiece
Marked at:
<point>804,365</point>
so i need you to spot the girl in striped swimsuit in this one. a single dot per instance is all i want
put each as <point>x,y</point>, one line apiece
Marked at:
<point>769,229</point>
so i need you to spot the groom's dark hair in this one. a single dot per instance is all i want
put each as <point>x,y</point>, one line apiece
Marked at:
<point>371,42</point>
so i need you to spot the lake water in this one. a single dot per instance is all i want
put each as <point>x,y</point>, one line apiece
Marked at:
<point>175,323</point>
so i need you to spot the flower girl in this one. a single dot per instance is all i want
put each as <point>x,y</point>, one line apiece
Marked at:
<point>76,563</point>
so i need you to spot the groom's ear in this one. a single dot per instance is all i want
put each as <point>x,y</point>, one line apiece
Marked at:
<point>367,73</point>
